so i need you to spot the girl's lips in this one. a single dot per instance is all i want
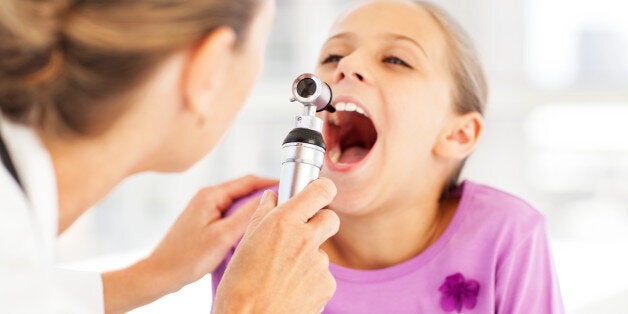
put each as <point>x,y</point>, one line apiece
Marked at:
<point>346,149</point>
<point>342,167</point>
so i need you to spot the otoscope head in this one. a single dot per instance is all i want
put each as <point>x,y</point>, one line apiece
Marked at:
<point>306,87</point>
<point>311,91</point>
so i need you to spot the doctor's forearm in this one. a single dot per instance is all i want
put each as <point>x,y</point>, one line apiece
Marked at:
<point>134,286</point>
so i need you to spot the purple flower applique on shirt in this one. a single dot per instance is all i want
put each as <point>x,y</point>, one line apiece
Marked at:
<point>458,292</point>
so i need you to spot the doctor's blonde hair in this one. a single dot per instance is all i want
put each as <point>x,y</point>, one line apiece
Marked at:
<point>78,57</point>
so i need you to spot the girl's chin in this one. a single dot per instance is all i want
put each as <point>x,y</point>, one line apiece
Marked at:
<point>349,204</point>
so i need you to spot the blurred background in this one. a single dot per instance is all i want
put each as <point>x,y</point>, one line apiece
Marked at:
<point>556,136</point>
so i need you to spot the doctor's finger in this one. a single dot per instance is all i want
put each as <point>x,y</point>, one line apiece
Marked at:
<point>325,224</point>
<point>316,195</point>
<point>223,195</point>
<point>267,202</point>
<point>240,218</point>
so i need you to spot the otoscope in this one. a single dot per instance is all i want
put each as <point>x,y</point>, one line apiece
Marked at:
<point>303,149</point>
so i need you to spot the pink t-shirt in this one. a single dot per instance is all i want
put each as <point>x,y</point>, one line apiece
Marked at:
<point>494,257</point>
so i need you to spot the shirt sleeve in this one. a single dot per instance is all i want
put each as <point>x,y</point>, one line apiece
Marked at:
<point>77,292</point>
<point>526,281</point>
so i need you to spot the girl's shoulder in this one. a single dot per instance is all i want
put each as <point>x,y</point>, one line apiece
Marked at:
<point>500,208</point>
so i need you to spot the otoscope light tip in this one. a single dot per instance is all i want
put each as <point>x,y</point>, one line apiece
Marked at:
<point>311,91</point>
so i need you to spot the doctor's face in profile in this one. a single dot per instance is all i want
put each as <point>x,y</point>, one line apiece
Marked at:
<point>246,64</point>
<point>187,141</point>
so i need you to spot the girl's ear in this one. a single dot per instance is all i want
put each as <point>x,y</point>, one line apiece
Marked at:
<point>206,69</point>
<point>460,137</point>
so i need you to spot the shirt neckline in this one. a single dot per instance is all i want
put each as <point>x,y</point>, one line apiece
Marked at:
<point>398,270</point>
<point>35,169</point>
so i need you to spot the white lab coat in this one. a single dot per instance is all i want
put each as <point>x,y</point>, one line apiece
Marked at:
<point>29,282</point>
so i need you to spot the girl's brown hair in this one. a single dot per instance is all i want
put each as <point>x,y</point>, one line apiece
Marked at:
<point>76,57</point>
<point>470,90</point>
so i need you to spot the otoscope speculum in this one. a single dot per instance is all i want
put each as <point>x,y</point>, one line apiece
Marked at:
<point>311,91</point>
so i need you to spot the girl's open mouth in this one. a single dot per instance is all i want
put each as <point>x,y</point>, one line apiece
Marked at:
<point>349,135</point>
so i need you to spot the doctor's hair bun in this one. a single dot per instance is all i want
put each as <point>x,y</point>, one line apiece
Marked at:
<point>28,60</point>
<point>80,61</point>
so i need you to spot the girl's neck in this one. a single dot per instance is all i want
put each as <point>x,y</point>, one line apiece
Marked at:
<point>389,236</point>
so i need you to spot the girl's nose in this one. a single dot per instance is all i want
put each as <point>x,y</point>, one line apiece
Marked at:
<point>350,67</point>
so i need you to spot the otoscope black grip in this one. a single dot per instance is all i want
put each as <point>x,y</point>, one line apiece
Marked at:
<point>303,135</point>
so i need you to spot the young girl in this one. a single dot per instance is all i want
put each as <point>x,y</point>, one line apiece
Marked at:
<point>410,93</point>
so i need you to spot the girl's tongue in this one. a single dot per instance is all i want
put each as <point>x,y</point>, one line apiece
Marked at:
<point>353,154</point>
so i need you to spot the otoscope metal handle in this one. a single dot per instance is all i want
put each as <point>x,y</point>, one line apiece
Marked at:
<point>301,164</point>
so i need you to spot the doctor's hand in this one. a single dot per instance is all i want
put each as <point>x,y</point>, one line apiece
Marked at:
<point>278,266</point>
<point>195,245</point>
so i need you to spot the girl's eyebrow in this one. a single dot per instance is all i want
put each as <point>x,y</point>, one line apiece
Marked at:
<point>348,35</point>
<point>392,36</point>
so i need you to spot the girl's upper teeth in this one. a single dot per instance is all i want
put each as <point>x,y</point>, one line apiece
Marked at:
<point>349,106</point>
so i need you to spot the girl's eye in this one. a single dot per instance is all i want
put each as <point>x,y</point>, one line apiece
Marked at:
<point>397,61</point>
<point>332,59</point>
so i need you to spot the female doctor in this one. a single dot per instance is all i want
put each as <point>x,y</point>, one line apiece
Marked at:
<point>92,92</point>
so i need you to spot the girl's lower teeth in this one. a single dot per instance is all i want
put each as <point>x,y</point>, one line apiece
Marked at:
<point>334,154</point>
<point>350,155</point>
